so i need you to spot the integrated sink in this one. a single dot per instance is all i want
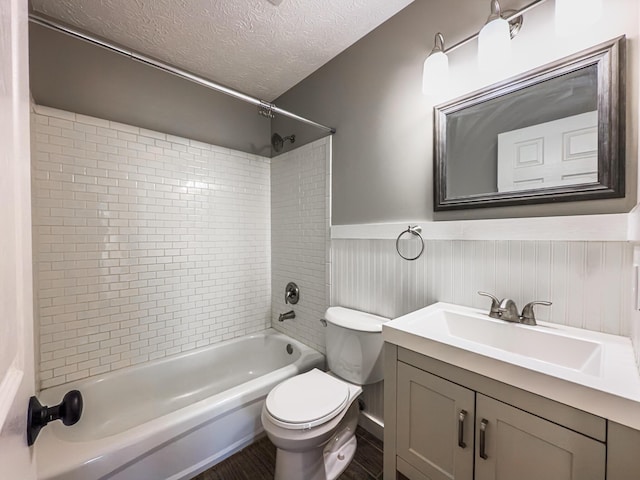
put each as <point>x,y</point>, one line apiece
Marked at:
<point>469,338</point>
<point>541,343</point>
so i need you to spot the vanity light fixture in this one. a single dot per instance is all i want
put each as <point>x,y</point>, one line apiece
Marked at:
<point>436,68</point>
<point>494,45</point>
<point>494,40</point>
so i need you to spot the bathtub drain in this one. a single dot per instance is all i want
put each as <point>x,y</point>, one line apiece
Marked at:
<point>289,349</point>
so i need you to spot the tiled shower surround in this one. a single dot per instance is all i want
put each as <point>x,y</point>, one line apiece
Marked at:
<point>145,244</point>
<point>300,219</point>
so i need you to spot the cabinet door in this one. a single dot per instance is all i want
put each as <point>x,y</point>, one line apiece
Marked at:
<point>435,421</point>
<point>518,445</point>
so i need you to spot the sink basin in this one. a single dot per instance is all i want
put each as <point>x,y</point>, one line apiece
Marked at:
<point>548,348</point>
<point>539,343</point>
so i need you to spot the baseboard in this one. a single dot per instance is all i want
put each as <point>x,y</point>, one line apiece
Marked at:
<point>371,424</point>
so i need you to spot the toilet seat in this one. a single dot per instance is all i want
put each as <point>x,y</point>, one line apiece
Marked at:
<point>307,400</point>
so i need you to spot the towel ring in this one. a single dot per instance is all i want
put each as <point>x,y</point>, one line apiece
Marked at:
<point>415,230</point>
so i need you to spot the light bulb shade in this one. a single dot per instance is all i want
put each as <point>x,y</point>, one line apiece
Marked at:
<point>436,73</point>
<point>494,44</point>
<point>576,15</point>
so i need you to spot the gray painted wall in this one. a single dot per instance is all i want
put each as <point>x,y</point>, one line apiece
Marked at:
<point>382,155</point>
<point>73,75</point>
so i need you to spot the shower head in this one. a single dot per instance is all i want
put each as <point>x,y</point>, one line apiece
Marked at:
<point>277,142</point>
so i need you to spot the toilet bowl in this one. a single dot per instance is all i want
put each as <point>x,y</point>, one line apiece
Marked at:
<point>312,418</point>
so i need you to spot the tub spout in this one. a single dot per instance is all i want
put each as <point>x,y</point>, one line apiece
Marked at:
<point>287,316</point>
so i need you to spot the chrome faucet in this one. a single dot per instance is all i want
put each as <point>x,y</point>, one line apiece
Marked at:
<point>287,316</point>
<point>507,310</point>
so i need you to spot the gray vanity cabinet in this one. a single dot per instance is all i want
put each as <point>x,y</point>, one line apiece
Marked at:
<point>521,446</point>
<point>435,432</point>
<point>436,416</point>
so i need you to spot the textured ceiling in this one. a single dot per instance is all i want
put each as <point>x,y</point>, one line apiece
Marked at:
<point>251,45</point>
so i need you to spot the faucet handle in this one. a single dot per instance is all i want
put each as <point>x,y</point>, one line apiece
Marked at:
<point>528,316</point>
<point>495,304</point>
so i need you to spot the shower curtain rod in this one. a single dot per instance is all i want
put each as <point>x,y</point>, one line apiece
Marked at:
<point>264,108</point>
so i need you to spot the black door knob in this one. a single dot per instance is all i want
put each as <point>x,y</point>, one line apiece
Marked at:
<point>69,411</point>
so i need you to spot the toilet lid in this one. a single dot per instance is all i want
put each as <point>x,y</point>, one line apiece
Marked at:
<point>307,400</point>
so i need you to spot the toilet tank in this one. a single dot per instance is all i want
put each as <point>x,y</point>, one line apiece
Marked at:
<point>354,345</point>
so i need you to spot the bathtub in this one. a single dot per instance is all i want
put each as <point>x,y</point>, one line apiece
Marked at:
<point>172,418</point>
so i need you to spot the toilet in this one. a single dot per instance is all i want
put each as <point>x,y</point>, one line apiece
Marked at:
<point>311,418</point>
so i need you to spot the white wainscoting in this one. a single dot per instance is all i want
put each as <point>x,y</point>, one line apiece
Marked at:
<point>590,283</point>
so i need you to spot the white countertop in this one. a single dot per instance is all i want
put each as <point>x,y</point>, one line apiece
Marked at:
<point>610,389</point>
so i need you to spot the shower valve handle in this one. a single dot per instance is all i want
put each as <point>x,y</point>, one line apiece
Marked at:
<point>291,293</point>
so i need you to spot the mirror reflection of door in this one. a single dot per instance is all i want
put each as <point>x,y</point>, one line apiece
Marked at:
<point>473,133</point>
<point>551,154</point>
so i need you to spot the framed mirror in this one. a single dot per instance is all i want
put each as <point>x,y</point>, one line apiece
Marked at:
<point>552,134</point>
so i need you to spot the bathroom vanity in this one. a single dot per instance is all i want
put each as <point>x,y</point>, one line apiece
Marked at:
<point>469,397</point>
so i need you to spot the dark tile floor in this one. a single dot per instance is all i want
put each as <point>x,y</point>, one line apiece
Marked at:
<point>257,462</point>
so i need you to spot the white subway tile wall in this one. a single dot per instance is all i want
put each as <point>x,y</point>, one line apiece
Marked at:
<point>145,244</point>
<point>589,283</point>
<point>300,219</point>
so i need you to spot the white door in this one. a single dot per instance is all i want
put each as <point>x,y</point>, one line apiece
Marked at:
<point>16,307</point>
<point>551,154</point>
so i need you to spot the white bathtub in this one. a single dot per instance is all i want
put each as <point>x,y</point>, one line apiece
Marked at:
<point>172,418</point>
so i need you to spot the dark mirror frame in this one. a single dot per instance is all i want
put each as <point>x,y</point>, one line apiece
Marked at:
<point>609,57</point>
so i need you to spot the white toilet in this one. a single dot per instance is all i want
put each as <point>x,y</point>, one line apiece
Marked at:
<point>312,417</point>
